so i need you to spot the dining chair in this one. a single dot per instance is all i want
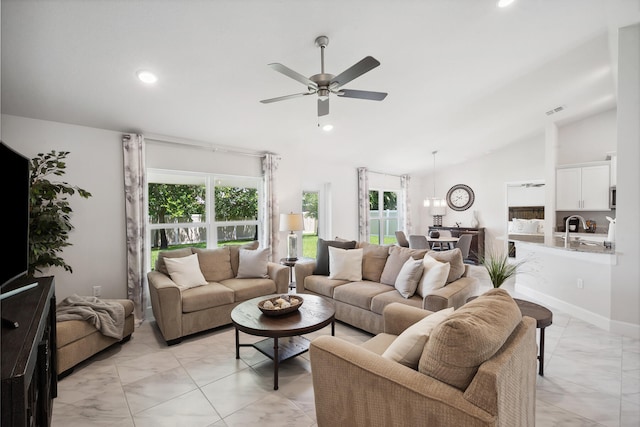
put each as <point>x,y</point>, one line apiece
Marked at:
<point>418,241</point>
<point>402,239</point>
<point>464,244</point>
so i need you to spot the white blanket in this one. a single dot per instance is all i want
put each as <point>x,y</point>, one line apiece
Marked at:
<point>107,317</point>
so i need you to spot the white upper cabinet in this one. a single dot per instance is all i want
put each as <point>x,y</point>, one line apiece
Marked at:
<point>583,188</point>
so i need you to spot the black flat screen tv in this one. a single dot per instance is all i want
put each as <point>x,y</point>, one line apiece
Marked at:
<point>14,173</point>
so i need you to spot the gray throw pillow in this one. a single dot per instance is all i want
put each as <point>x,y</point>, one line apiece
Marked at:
<point>253,263</point>
<point>322,255</point>
<point>454,258</point>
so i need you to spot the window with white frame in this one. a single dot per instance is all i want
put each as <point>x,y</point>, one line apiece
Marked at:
<point>203,210</point>
<point>383,216</point>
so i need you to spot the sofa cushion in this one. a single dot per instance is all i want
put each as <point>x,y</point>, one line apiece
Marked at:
<point>359,294</point>
<point>434,276</point>
<point>409,276</point>
<point>234,253</point>
<point>469,337</point>
<point>374,257</point>
<point>408,347</point>
<point>74,330</point>
<point>185,271</point>
<point>215,263</point>
<point>454,258</point>
<point>322,285</point>
<point>345,264</point>
<point>380,301</point>
<point>397,257</point>
<point>174,253</point>
<point>203,297</point>
<point>253,263</point>
<point>379,343</point>
<point>322,255</point>
<point>245,289</point>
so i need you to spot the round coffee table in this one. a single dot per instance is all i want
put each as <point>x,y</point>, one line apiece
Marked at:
<point>315,313</point>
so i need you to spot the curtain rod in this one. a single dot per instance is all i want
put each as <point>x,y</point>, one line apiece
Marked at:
<point>388,174</point>
<point>202,145</point>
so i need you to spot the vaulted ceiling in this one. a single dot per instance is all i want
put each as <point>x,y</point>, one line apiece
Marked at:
<point>464,77</point>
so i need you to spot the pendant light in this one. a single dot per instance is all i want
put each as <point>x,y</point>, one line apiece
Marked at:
<point>437,205</point>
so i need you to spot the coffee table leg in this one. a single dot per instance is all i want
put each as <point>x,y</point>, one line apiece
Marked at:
<point>275,363</point>
<point>541,357</point>
<point>333,328</point>
<point>237,344</point>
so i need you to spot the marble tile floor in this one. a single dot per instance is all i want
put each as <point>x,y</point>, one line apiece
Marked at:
<point>592,378</point>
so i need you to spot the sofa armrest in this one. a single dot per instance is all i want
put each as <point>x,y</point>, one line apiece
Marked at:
<point>398,317</point>
<point>166,303</point>
<point>455,294</point>
<point>302,270</point>
<point>280,274</point>
<point>352,387</point>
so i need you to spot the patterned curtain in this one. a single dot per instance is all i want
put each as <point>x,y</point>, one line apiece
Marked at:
<point>135,206</point>
<point>363,205</point>
<point>270,213</point>
<point>405,205</point>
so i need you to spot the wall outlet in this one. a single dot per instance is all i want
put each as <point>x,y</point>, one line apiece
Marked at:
<point>580,284</point>
<point>97,291</point>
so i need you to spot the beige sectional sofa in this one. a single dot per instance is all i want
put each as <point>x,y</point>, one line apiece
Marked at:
<point>361,302</point>
<point>475,366</point>
<point>232,274</point>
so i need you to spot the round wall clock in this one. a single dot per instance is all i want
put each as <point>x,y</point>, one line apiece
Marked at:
<point>460,197</point>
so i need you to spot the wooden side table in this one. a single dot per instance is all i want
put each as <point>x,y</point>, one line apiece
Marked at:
<point>290,264</point>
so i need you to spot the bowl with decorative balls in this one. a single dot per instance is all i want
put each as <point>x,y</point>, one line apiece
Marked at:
<point>283,304</point>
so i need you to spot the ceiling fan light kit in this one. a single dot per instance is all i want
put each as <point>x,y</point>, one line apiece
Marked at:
<point>324,84</point>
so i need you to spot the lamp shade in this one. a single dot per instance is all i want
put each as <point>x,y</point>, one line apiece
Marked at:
<point>436,206</point>
<point>291,222</point>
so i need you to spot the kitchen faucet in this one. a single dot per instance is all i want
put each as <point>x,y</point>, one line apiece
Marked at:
<point>566,228</point>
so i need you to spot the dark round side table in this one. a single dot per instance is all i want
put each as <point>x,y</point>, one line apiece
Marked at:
<point>289,263</point>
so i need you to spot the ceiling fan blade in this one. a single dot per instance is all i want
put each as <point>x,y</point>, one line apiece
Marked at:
<point>293,74</point>
<point>362,94</point>
<point>323,107</point>
<point>282,98</point>
<point>356,70</point>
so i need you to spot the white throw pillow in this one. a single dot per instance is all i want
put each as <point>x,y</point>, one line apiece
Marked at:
<point>253,263</point>
<point>185,271</point>
<point>434,276</point>
<point>408,346</point>
<point>530,226</point>
<point>345,264</point>
<point>409,276</point>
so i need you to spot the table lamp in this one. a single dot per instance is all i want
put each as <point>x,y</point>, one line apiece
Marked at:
<point>292,222</point>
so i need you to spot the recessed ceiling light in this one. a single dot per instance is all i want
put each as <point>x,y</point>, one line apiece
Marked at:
<point>327,128</point>
<point>504,3</point>
<point>147,77</point>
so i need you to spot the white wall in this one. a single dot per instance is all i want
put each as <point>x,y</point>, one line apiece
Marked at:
<point>97,254</point>
<point>587,140</point>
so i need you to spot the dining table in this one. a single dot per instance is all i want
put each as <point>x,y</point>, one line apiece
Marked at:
<point>442,241</point>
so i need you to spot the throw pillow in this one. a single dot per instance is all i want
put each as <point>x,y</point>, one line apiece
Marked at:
<point>322,254</point>
<point>434,276</point>
<point>454,258</point>
<point>345,264</point>
<point>185,271</point>
<point>408,346</point>
<point>234,254</point>
<point>175,253</point>
<point>215,264</point>
<point>253,263</point>
<point>397,257</point>
<point>469,337</point>
<point>374,257</point>
<point>409,276</point>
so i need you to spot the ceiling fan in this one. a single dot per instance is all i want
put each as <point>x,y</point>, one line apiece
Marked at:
<point>324,84</point>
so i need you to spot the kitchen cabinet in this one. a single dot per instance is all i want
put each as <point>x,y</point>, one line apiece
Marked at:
<point>583,188</point>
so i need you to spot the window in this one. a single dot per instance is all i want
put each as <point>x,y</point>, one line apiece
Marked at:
<point>311,219</point>
<point>203,210</point>
<point>383,216</point>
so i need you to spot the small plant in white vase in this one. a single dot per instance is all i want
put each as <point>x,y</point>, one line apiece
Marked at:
<point>500,267</point>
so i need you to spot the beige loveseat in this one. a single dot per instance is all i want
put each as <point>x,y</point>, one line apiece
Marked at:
<point>360,303</point>
<point>477,368</point>
<point>181,310</point>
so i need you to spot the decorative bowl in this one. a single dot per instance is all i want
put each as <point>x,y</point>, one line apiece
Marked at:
<point>275,310</point>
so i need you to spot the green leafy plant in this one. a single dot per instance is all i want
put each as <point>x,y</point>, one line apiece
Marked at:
<point>49,211</point>
<point>499,267</point>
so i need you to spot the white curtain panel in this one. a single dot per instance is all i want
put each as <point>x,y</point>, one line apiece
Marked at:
<point>270,213</point>
<point>404,208</point>
<point>135,183</point>
<point>363,204</point>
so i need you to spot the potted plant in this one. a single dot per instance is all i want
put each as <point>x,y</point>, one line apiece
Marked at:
<point>500,267</point>
<point>49,211</point>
